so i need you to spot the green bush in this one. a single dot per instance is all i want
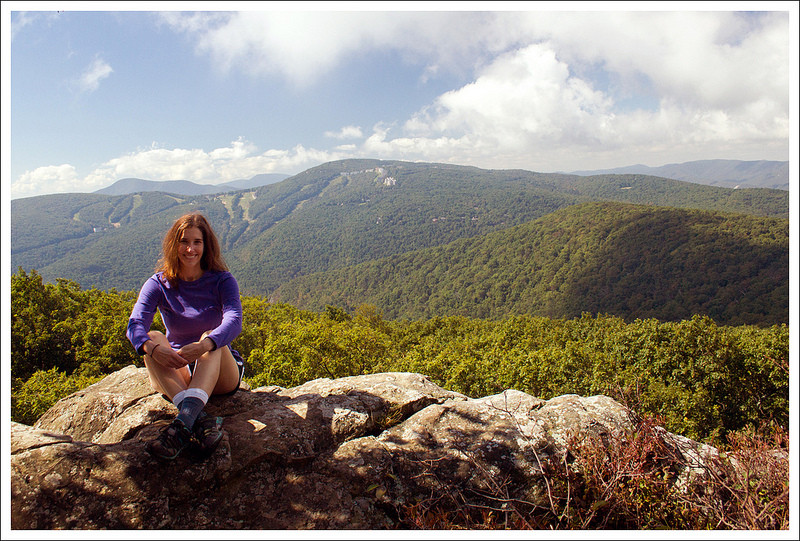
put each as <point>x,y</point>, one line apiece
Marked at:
<point>43,389</point>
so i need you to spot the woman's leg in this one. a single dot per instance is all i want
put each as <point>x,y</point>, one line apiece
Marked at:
<point>216,372</point>
<point>168,381</point>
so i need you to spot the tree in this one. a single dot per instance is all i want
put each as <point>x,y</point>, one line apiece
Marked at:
<point>37,343</point>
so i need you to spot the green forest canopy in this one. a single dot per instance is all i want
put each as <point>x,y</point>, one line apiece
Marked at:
<point>633,261</point>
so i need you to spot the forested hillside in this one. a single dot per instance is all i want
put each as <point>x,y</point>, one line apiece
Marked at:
<point>632,261</point>
<point>328,217</point>
<point>458,250</point>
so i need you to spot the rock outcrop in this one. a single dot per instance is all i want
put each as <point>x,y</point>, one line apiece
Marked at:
<point>349,453</point>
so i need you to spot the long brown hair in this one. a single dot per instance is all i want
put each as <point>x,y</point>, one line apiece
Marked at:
<point>169,264</point>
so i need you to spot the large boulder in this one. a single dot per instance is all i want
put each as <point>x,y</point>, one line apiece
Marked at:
<point>330,454</point>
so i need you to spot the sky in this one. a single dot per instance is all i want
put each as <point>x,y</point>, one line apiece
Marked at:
<point>150,91</point>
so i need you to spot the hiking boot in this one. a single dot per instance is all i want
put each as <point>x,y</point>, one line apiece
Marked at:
<point>208,431</point>
<point>172,440</point>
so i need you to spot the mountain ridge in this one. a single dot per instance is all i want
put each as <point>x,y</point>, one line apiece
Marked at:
<point>719,172</point>
<point>131,185</point>
<point>331,216</point>
<point>725,173</point>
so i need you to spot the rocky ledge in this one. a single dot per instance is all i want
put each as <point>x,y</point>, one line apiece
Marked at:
<point>350,453</point>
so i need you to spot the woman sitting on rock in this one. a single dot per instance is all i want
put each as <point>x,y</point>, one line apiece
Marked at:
<point>202,312</point>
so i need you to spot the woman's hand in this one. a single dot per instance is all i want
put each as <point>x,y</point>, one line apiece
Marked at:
<point>166,356</point>
<point>195,350</point>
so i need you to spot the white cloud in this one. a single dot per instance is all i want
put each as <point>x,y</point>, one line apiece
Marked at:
<point>347,132</point>
<point>538,106</point>
<point>689,56</point>
<point>238,150</point>
<point>237,161</point>
<point>47,179</point>
<point>305,46</point>
<point>89,81</point>
<point>524,98</point>
<point>547,86</point>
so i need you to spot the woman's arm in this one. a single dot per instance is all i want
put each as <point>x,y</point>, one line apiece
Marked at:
<point>142,314</point>
<point>191,352</point>
<point>231,324</point>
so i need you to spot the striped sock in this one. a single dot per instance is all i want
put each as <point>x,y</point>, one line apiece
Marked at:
<point>193,403</point>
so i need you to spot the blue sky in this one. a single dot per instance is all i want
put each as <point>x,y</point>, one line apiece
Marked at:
<point>213,96</point>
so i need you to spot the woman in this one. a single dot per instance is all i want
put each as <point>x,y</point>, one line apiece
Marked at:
<point>200,307</point>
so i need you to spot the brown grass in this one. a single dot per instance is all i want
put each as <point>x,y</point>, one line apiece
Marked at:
<point>631,482</point>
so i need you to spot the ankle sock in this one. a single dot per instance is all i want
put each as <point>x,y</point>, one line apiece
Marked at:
<point>178,398</point>
<point>191,406</point>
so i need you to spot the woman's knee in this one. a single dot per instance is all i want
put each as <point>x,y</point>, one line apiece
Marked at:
<point>162,379</point>
<point>229,374</point>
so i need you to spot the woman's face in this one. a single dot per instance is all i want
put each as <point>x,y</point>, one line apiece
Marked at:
<point>190,250</point>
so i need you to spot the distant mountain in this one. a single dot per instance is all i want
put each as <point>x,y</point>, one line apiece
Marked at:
<point>137,185</point>
<point>185,187</point>
<point>254,182</point>
<point>331,216</point>
<point>725,173</point>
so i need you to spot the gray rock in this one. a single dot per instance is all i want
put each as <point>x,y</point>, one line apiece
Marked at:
<point>349,453</point>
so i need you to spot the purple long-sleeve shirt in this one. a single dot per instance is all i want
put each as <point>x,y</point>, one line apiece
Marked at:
<point>210,303</point>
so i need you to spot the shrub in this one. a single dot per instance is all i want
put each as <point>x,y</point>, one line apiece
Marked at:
<point>43,389</point>
<point>750,488</point>
<point>630,483</point>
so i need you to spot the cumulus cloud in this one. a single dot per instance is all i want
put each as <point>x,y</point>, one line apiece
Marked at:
<point>690,57</point>
<point>239,160</point>
<point>265,43</point>
<point>347,132</point>
<point>523,98</point>
<point>50,178</point>
<point>89,81</point>
<point>545,97</point>
<point>689,54</point>
<point>545,84</point>
<point>533,98</point>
